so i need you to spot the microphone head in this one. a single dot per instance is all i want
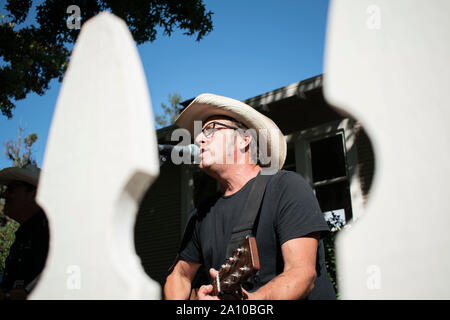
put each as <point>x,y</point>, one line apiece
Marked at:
<point>194,150</point>
<point>179,154</point>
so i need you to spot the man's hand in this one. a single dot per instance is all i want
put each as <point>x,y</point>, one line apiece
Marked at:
<point>14,294</point>
<point>204,293</point>
<point>18,294</point>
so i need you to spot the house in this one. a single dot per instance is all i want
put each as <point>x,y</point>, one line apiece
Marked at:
<point>329,149</point>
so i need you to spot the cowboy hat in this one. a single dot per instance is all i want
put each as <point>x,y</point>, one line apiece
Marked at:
<point>28,174</point>
<point>207,105</point>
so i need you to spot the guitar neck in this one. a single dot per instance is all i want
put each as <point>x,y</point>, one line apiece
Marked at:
<point>243,264</point>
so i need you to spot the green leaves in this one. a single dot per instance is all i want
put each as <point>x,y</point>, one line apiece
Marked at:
<point>19,9</point>
<point>330,258</point>
<point>170,113</point>
<point>33,55</point>
<point>30,64</point>
<point>8,227</point>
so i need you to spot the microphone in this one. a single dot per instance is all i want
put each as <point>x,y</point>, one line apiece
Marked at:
<point>178,154</point>
<point>191,149</point>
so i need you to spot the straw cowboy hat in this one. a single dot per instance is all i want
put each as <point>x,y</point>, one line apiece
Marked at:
<point>207,105</point>
<point>29,174</point>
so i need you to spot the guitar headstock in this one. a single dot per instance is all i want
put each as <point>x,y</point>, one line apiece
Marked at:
<point>243,263</point>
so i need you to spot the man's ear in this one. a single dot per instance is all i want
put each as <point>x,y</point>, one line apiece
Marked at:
<point>244,142</point>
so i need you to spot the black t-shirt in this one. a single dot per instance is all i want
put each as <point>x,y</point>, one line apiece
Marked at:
<point>289,210</point>
<point>28,254</point>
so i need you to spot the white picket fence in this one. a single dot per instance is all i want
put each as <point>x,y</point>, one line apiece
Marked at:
<point>101,157</point>
<point>387,63</point>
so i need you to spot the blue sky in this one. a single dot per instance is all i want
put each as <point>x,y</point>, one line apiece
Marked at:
<point>255,47</point>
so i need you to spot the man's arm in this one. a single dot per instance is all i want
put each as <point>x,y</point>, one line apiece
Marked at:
<point>178,283</point>
<point>298,276</point>
<point>299,273</point>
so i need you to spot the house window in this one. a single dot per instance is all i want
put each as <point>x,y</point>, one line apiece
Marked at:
<point>329,177</point>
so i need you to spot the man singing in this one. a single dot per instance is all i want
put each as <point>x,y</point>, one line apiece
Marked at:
<point>237,144</point>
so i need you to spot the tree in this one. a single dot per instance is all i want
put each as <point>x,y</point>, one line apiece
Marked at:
<point>169,113</point>
<point>33,55</point>
<point>13,151</point>
<point>335,223</point>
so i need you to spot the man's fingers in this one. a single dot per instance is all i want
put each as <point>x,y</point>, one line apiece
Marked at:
<point>205,290</point>
<point>204,293</point>
<point>18,294</point>
<point>213,273</point>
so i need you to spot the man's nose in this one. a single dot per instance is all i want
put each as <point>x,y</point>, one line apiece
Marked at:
<point>200,139</point>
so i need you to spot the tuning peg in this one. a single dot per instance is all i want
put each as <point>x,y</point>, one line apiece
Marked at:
<point>244,269</point>
<point>226,267</point>
<point>240,251</point>
<point>231,260</point>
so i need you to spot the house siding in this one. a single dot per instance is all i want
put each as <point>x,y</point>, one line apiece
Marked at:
<point>157,229</point>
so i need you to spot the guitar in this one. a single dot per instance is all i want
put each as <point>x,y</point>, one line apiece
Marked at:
<point>243,263</point>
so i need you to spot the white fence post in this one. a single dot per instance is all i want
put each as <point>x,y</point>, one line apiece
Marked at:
<point>101,157</point>
<point>387,63</point>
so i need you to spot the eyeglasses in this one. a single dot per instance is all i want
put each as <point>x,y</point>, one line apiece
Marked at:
<point>209,130</point>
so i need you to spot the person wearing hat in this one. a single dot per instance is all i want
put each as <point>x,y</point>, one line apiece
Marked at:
<point>29,251</point>
<point>290,223</point>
